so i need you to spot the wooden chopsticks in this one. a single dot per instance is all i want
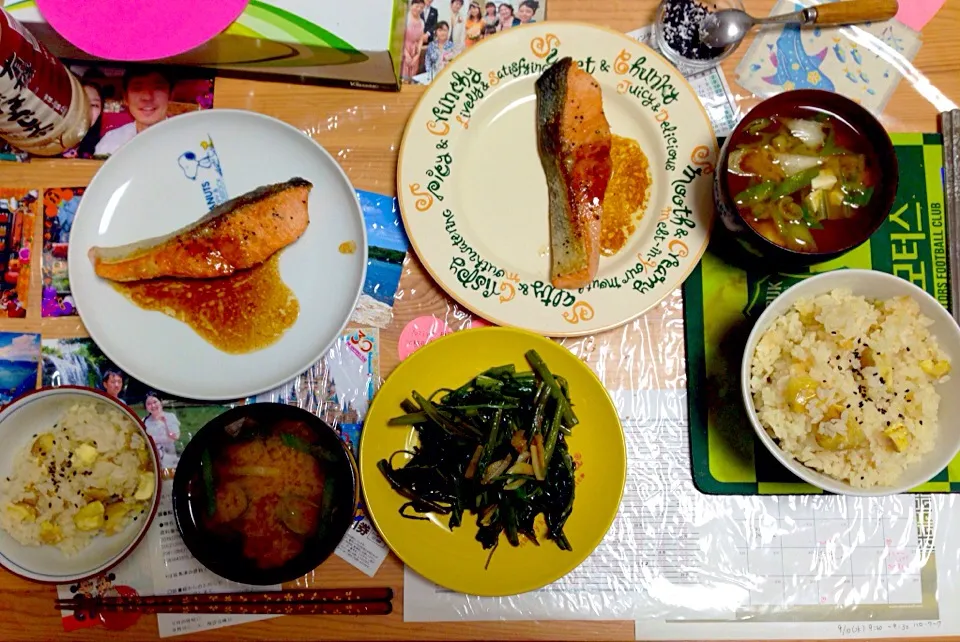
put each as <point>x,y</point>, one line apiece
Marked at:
<point>354,601</point>
<point>950,127</point>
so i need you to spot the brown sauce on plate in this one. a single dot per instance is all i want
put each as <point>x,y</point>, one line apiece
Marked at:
<point>626,197</point>
<point>241,313</point>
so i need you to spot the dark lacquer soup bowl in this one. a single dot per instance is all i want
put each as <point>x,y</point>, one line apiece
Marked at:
<point>806,176</point>
<point>264,493</point>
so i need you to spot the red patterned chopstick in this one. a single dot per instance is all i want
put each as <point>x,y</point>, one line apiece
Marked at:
<point>355,601</point>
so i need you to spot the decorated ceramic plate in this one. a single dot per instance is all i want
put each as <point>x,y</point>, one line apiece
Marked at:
<point>169,176</point>
<point>454,558</point>
<point>474,196</point>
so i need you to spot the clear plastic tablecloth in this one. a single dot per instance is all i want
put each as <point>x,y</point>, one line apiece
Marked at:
<point>673,553</point>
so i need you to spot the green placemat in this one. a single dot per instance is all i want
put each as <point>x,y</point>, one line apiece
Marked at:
<point>722,302</point>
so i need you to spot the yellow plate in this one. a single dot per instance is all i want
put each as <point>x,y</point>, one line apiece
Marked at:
<point>455,559</point>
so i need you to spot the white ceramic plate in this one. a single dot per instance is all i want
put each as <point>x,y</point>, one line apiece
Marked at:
<point>873,285</point>
<point>474,197</point>
<point>19,422</point>
<point>145,190</point>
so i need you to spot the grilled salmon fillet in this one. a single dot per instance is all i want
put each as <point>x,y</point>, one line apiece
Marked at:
<point>237,235</point>
<point>574,141</point>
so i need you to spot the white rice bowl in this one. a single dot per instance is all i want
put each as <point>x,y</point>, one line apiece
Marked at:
<point>845,377</point>
<point>75,460</point>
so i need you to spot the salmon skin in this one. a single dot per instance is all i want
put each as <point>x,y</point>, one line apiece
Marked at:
<point>237,235</point>
<point>574,141</point>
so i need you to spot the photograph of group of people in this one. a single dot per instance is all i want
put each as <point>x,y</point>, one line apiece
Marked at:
<point>125,101</point>
<point>440,30</point>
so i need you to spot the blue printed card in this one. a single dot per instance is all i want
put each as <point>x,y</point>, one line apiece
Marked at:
<point>858,62</point>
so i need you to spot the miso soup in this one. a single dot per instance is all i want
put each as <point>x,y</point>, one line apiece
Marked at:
<point>804,179</point>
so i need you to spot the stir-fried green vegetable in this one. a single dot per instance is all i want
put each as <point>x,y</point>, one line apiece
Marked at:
<point>494,447</point>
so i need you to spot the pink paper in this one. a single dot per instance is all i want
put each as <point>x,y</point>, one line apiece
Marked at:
<point>423,330</point>
<point>136,30</point>
<point>420,332</point>
<point>917,13</point>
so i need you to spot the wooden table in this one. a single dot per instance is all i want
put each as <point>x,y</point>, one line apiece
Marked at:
<point>363,131</point>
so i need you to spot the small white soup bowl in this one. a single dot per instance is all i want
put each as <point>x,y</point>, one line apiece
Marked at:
<point>36,412</point>
<point>872,285</point>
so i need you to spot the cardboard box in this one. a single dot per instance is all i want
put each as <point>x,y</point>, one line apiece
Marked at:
<point>347,43</point>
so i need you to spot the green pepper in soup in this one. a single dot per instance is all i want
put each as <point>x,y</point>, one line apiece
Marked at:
<point>803,180</point>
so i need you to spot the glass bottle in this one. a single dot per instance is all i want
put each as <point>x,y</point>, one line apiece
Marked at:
<point>43,107</point>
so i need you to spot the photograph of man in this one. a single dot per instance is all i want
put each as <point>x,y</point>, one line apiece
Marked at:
<point>146,94</point>
<point>113,383</point>
<point>430,18</point>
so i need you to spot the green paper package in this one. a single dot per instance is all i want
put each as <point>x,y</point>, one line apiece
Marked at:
<point>349,44</point>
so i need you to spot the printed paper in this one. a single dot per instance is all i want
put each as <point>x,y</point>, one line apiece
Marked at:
<point>435,35</point>
<point>59,209</point>
<point>339,389</point>
<point>388,246</point>
<point>676,555</point>
<point>859,62</point>
<point>18,211</point>
<point>711,87</point>
<point>19,356</point>
<point>126,101</point>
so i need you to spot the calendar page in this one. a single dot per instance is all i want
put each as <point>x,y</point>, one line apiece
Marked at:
<point>676,555</point>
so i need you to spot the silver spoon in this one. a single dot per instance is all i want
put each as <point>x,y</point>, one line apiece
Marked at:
<point>729,26</point>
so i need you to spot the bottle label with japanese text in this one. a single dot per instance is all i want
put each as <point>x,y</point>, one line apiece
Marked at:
<point>35,88</point>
